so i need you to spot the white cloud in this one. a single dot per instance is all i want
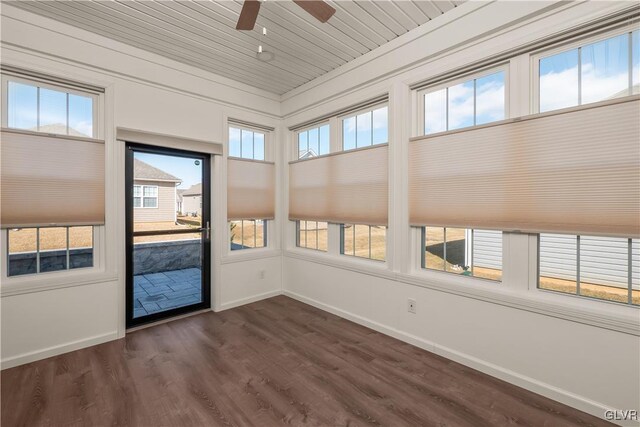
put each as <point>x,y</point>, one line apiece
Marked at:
<point>559,90</point>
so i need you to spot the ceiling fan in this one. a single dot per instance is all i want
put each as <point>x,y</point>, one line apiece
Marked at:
<point>250,8</point>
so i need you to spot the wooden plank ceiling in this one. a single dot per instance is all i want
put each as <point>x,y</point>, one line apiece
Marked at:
<point>202,33</point>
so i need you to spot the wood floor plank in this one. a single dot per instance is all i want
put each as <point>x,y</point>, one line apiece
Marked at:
<point>270,363</point>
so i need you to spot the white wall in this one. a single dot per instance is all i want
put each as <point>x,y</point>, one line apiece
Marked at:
<point>65,311</point>
<point>583,353</point>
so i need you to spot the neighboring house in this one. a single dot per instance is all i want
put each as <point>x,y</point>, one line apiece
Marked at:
<point>306,154</point>
<point>60,129</point>
<point>192,200</point>
<point>179,208</point>
<point>154,193</point>
<point>599,264</point>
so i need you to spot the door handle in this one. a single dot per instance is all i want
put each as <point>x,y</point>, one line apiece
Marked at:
<point>207,231</point>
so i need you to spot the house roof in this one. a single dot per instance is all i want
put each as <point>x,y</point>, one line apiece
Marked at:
<point>194,190</point>
<point>144,171</point>
<point>59,129</point>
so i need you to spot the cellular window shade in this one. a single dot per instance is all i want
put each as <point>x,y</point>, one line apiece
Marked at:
<point>346,187</point>
<point>573,171</point>
<point>51,180</point>
<point>250,189</point>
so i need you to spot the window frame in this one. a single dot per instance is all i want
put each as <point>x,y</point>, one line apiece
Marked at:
<point>353,255</point>
<point>341,118</point>
<point>317,245</point>
<point>578,42</point>
<point>268,155</point>
<point>423,251</point>
<point>265,234</point>
<point>142,196</point>
<point>95,96</point>
<point>38,252</point>
<point>317,125</point>
<point>473,75</point>
<point>536,269</point>
<point>99,272</point>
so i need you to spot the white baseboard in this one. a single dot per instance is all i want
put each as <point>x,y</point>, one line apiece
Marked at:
<point>32,356</point>
<point>581,403</point>
<point>248,300</point>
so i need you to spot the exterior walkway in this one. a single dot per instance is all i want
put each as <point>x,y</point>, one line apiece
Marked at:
<point>163,291</point>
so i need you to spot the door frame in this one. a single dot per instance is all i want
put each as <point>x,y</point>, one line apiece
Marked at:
<point>130,148</point>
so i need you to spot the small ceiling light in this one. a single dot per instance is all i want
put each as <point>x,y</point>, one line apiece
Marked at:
<point>260,49</point>
<point>264,31</point>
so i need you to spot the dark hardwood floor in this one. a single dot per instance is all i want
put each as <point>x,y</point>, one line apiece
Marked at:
<point>270,363</point>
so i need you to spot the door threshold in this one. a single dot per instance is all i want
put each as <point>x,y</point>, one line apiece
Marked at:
<point>167,320</point>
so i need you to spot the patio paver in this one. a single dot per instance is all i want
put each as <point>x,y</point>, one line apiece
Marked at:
<point>163,291</point>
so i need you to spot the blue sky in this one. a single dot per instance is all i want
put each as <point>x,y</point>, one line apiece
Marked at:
<point>181,167</point>
<point>23,108</point>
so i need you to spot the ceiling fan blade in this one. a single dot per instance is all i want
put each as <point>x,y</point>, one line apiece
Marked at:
<point>318,9</point>
<point>248,15</point>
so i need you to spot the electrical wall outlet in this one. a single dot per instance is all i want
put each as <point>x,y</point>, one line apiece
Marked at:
<point>411,306</point>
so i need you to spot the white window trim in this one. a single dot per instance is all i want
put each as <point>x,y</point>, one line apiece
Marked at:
<point>102,271</point>
<point>343,117</point>
<point>539,54</point>
<point>142,197</point>
<point>97,110</point>
<point>504,67</point>
<point>317,247</point>
<point>15,285</point>
<point>269,250</point>
<point>297,132</point>
<point>421,249</point>
<point>268,155</point>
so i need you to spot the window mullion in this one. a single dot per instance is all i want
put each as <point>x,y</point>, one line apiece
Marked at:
<point>579,76</point>
<point>578,265</point>
<point>38,250</point>
<point>68,251</point>
<point>630,271</point>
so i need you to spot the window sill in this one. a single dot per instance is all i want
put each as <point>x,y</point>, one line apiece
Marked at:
<point>242,255</point>
<point>12,286</point>
<point>360,265</point>
<point>615,317</point>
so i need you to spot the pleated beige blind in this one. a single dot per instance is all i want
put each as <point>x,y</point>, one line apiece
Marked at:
<point>573,171</point>
<point>48,180</point>
<point>346,187</point>
<point>250,189</point>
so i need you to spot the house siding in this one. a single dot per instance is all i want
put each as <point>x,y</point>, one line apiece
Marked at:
<point>192,204</point>
<point>166,203</point>
<point>487,249</point>
<point>603,260</point>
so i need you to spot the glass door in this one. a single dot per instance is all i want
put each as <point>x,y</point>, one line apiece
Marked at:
<point>168,232</point>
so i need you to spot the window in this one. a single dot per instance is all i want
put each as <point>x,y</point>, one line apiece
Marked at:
<point>47,249</point>
<point>605,69</point>
<point>313,142</point>
<point>246,144</point>
<point>463,251</point>
<point>312,235</point>
<point>145,196</point>
<point>365,129</point>
<point>246,234</point>
<point>364,241</point>
<point>471,102</point>
<point>40,107</point>
<point>606,268</point>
